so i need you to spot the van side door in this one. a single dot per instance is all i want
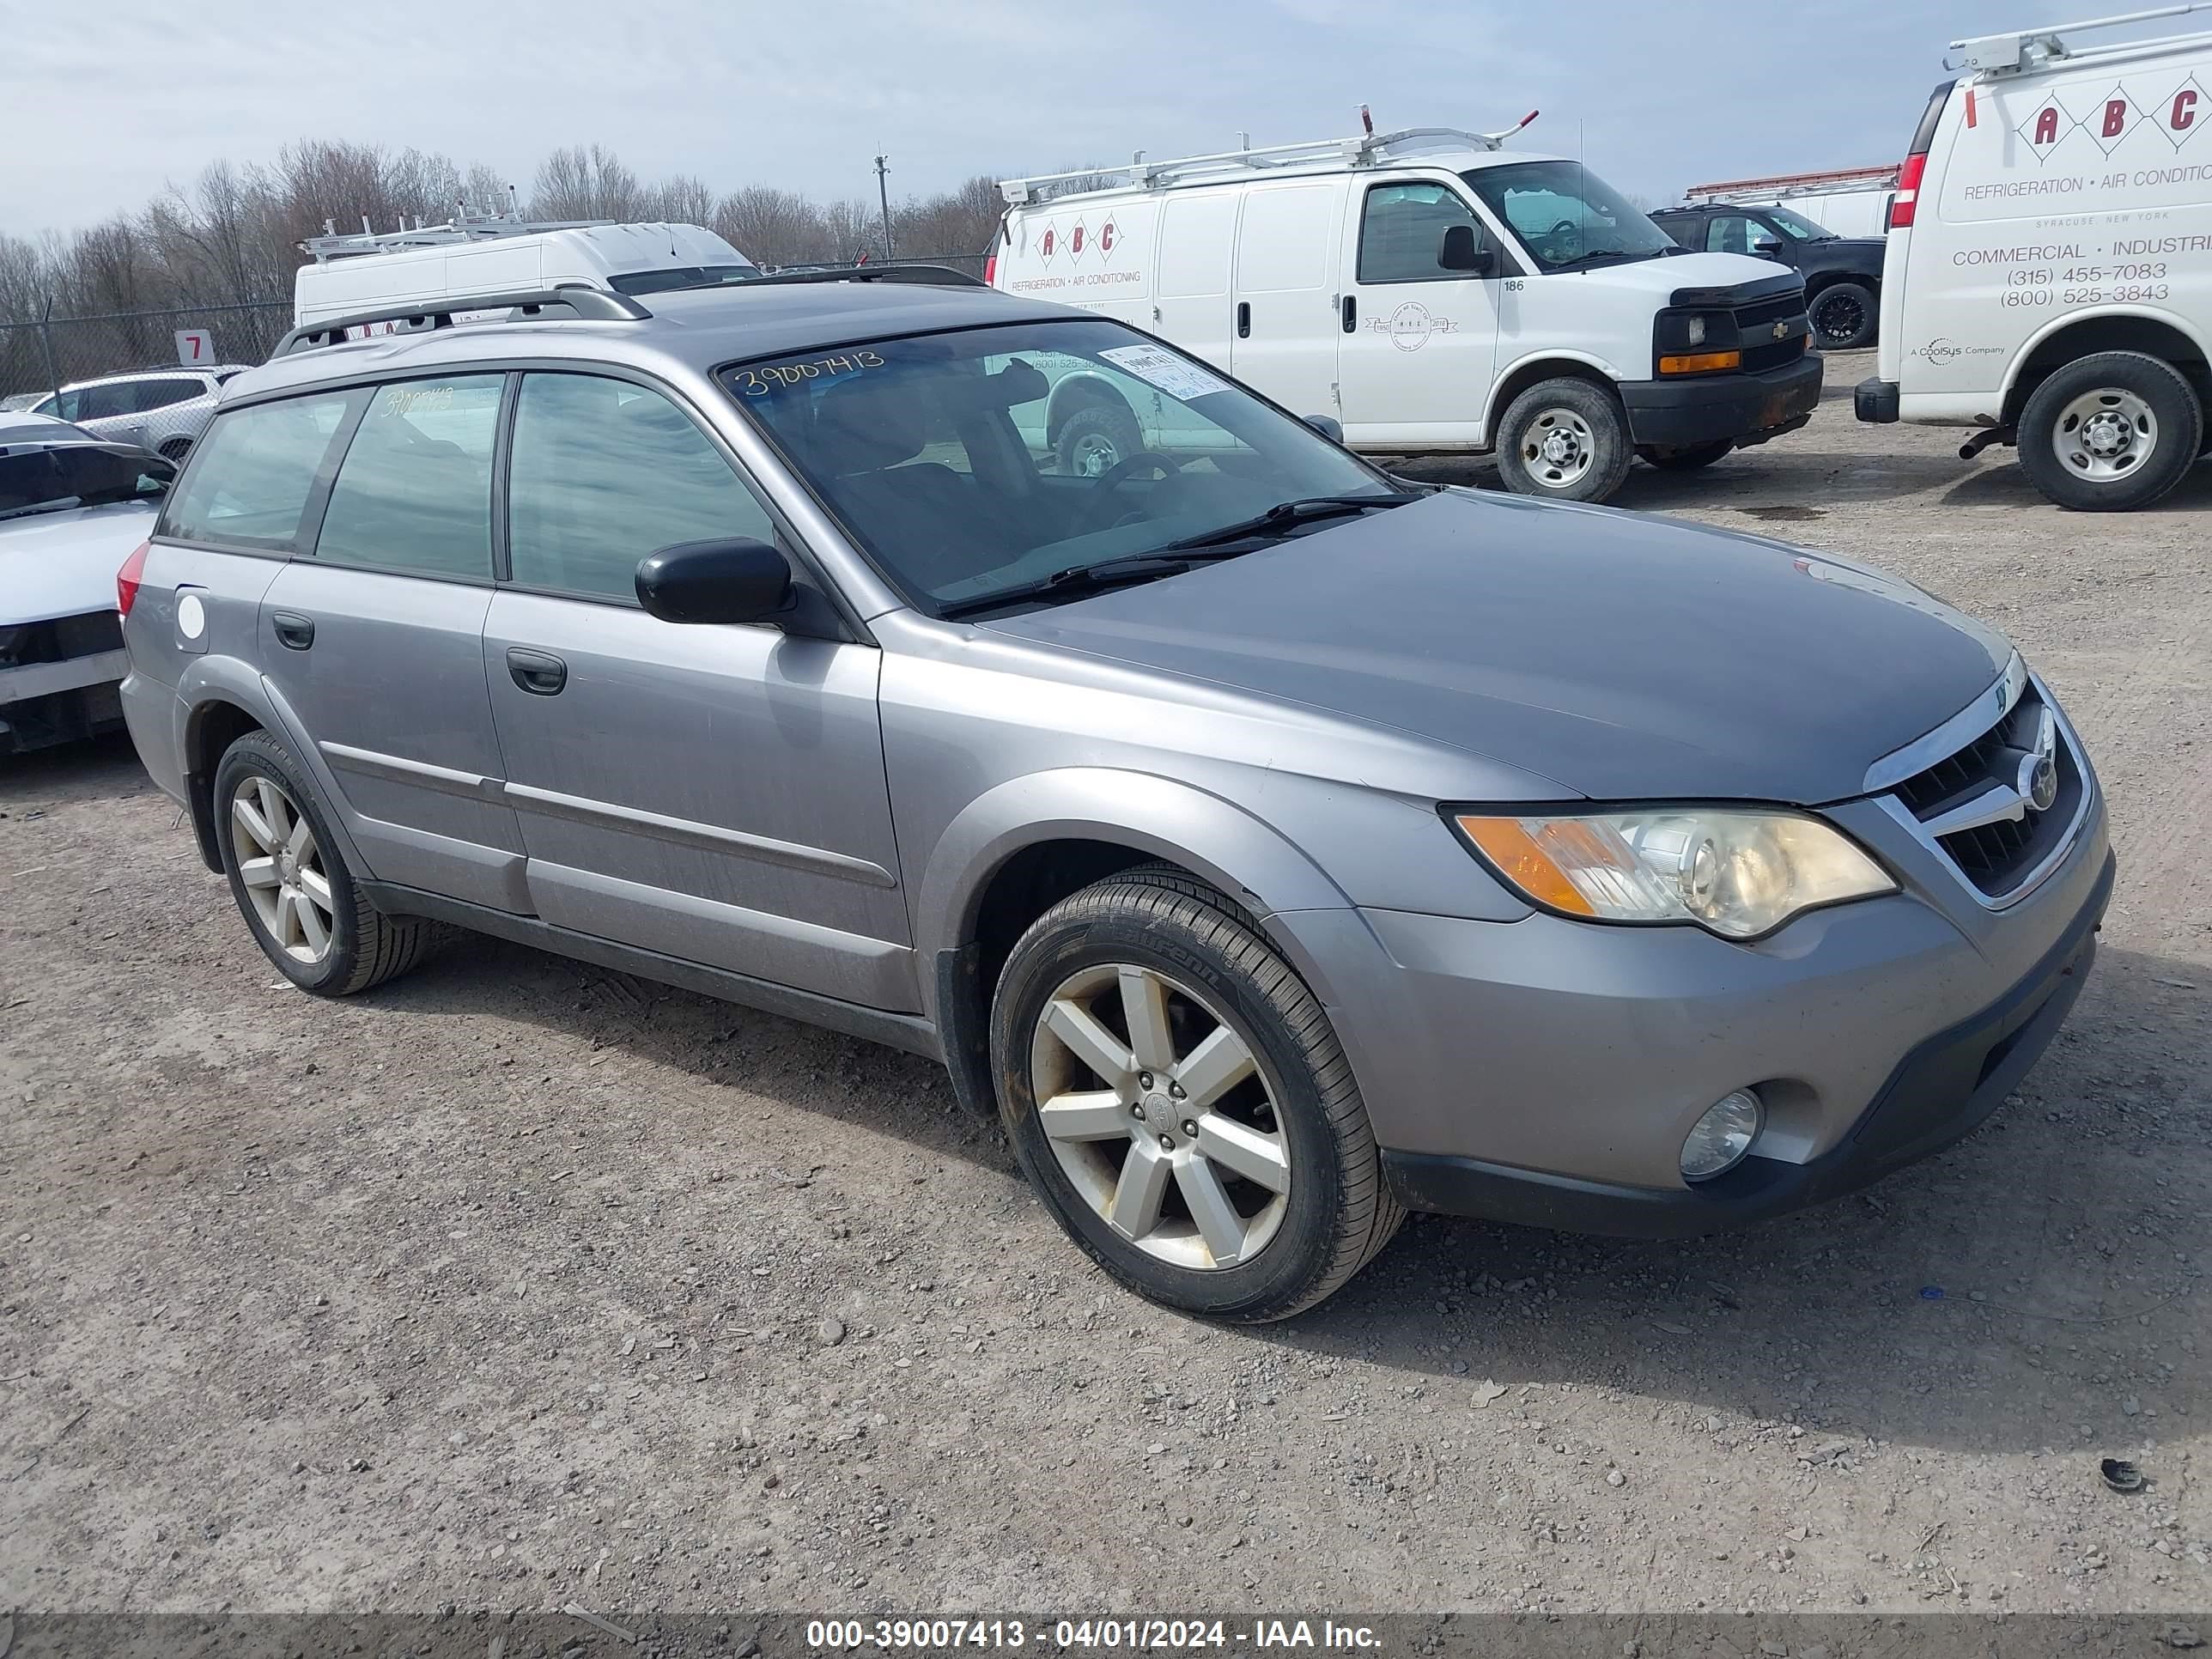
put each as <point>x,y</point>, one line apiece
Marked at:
<point>1285,319</point>
<point>1417,343</point>
<point>714,794</point>
<point>1195,249</point>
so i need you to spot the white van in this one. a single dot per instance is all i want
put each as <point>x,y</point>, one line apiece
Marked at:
<point>2048,278</point>
<point>1430,292</point>
<point>375,271</point>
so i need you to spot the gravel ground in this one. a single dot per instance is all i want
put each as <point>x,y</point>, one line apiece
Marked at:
<point>520,1282</point>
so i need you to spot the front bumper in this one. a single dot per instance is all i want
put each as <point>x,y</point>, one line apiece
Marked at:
<point>1874,400</point>
<point>45,703</point>
<point>1938,1092</point>
<point>1742,409</point>
<point>1546,1070</point>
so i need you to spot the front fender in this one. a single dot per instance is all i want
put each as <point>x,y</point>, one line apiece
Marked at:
<point>1210,836</point>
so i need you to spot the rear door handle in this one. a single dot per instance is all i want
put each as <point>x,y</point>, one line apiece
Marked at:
<point>1351,312</point>
<point>538,672</point>
<point>293,631</point>
<point>1243,319</point>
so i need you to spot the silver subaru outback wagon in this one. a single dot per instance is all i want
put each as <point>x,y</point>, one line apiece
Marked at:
<point>1275,845</point>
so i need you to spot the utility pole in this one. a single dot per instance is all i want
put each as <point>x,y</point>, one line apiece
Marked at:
<point>884,197</point>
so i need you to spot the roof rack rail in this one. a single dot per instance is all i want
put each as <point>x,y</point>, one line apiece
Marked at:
<point>2022,49</point>
<point>1360,150</point>
<point>590,304</point>
<point>463,227</point>
<point>928,276</point>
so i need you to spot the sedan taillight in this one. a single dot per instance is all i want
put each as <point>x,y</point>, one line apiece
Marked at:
<point>128,578</point>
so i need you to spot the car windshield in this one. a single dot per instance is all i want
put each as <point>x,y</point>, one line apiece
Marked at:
<point>1567,216</point>
<point>671,276</point>
<point>79,475</point>
<point>981,466</point>
<point>1799,226</point>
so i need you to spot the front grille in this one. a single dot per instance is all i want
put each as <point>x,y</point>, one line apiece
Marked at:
<point>1774,354</point>
<point>1998,856</point>
<point>90,635</point>
<point>1764,314</point>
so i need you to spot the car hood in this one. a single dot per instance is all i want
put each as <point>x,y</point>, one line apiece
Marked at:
<point>1625,657</point>
<point>63,564</point>
<point>1663,275</point>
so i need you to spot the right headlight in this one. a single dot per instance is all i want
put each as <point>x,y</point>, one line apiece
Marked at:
<point>1733,872</point>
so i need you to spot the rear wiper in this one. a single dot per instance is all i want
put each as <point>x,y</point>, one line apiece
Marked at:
<point>1285,515</point>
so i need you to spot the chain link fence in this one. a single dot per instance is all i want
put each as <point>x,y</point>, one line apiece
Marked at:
<point>39,357</point>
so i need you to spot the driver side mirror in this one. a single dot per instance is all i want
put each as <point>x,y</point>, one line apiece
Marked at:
<point>736,580</point>
<point>1461,252</point>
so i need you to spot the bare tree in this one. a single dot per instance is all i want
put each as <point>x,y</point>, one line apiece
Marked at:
<point>576,183</point>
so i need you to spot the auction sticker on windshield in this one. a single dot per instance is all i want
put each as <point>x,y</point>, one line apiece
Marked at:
<point>1177,376</point>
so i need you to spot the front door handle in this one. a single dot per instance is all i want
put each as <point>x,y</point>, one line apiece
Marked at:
<point>1243,319</point>
<point>293,631</point>
<point>538,672</point>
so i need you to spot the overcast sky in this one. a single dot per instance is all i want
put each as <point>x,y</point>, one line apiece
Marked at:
<point>107,100</point>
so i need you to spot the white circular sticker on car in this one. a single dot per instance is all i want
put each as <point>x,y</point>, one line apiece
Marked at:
<point>191,616</point>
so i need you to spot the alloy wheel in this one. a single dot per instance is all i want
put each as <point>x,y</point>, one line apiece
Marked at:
<point>281,866</point>
<point>1160,1115</point>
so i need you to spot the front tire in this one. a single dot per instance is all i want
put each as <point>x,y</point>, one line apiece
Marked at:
<point>1095,439</point>
<point>2111,431</point>
<point>1564,439</point>
<point>292,883</point>
<point>1843,316</point>
<point>1180,1103</point>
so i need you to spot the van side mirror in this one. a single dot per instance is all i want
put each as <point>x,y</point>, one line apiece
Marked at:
<point>1461,252</point>
<point>1328,425</point>
<point>736,580</point>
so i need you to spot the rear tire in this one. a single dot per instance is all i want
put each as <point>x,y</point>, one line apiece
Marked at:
<point>1566,439</point>
<point>1688,459</point>
<point>1180,987</point>
<point>1095,439</point>
<point>292,883</point>
<point>1844,315</point>
<point>2112,431</point>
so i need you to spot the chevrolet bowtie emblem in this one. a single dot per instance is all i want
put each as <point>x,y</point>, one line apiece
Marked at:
<point>1781,331</point>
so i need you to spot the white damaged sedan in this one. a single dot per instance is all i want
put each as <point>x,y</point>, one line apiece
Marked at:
<point>71,510</point>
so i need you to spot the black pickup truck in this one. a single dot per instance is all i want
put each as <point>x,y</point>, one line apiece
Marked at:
<point>1842,274</point>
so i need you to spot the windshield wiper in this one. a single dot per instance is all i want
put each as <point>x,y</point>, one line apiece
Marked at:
<point>57,504</point>
<point>1078,577</point>
<point>1288,515</point>
<point>1588,261</point>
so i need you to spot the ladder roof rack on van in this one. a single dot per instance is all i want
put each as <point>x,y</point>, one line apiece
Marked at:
<point>590,304</point>
<point>462,227</point>
<point>1363,150</point>
<point>927,274</point>
<point>2025,49</point>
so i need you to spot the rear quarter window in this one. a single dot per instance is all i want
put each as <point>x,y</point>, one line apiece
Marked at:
<point>256,468</point>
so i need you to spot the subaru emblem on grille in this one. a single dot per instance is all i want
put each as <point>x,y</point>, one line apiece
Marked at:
<point>2038,782</point>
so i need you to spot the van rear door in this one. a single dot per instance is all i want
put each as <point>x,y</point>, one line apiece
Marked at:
<point>1285,319</point>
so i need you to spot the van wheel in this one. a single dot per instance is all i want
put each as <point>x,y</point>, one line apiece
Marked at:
<point>1565,438</point>
<point>1688,459</point>
<point>1094,440</point>
<point>1179,1101</point>
<point>2111,431</point>
<point>1844,315</point>
<point>291,882</point>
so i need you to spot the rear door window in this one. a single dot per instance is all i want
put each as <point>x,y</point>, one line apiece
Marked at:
<point>254,472</point>
<point>414,492</point>
<point>150,395</point>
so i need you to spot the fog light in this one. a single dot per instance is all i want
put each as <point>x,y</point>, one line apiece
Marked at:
<point>1717,1142</point>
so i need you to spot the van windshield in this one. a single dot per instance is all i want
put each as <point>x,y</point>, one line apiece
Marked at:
<point>672,276</point>
<point>1566,216</point>
<point>1035,462</point>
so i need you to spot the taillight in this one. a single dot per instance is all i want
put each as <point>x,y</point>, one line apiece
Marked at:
<point>1907,196</point>
<point>991,270</point>
<point>128,578</point>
